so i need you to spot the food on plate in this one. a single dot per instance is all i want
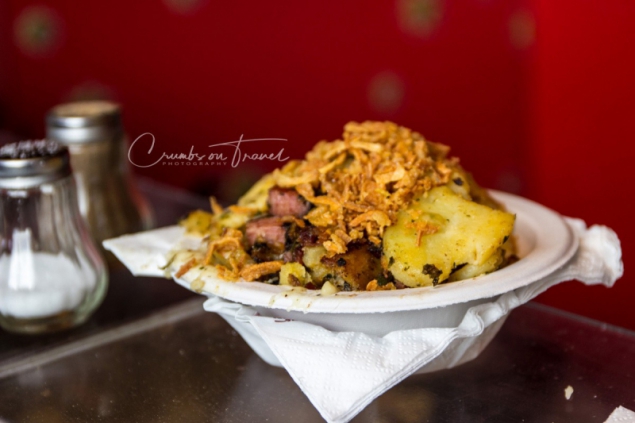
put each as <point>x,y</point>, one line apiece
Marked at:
<point>382,208</point>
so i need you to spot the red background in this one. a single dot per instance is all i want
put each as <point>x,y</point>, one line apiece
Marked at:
<point>536,97</point>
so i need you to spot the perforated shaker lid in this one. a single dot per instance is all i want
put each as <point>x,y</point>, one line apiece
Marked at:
<point>27,164</point>
<point>84,122</point>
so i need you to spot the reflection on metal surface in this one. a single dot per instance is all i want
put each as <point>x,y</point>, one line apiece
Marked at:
<point>197,369</point>
<point>169,315</point>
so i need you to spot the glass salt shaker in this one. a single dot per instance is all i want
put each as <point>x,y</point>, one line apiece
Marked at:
<point>52,276</point>
<point>108,198</point>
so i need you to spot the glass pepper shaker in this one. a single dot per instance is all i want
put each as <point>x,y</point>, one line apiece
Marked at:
<point>51,274</point>
<point>108,198</point>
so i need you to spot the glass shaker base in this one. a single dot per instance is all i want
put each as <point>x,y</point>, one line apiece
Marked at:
<point>34,326</point>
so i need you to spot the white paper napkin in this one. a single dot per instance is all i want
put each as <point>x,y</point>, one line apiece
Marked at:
<point>621,415</point>
<point>146,253</point>
<point>348,370</point>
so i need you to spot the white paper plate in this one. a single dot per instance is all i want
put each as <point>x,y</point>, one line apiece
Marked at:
<point>545,243</point>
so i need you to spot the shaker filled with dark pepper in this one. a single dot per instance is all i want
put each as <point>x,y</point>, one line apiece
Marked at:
<point>108,199</point>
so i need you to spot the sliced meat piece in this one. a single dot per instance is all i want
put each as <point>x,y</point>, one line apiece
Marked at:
<point>287,202</point>
<point>268,230</point>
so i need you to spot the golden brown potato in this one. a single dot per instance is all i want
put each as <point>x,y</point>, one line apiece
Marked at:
<point>441,233</point>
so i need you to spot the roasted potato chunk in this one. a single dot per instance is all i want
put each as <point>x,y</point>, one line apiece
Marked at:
<point>349,271</point>
<point>441,233</point>
<point>355,268</point>
<point>294,274</point>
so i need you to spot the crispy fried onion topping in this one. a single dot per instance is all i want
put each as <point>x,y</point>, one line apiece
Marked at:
<point>358,184</point>
<point>231,259</point>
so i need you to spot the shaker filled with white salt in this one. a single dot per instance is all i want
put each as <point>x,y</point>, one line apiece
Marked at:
<point>51,275</point>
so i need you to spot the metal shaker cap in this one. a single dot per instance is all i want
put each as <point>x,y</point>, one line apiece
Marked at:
<point>84,122</point>
<point>27,164</point>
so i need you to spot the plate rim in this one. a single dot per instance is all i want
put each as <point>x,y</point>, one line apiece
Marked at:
<point>556,243</point>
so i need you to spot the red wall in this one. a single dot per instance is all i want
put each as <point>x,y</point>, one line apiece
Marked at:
<point>297,71</point>
<point>583,115</point>
<point>535,97</point>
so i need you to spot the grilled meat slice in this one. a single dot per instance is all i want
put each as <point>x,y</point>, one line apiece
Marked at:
<point>266,230</point>
<point>287,202</point>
